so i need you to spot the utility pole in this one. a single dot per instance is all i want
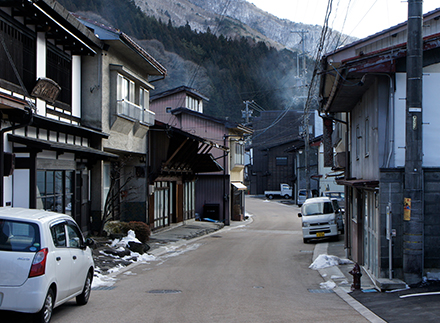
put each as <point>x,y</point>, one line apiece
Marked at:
<point>302,33</point>
<point>305,121</point>
<point>247,113</point>
<point>413,224</point>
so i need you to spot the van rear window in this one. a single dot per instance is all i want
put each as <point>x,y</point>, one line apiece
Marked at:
<point>19,236</point>
<point>318,208</point>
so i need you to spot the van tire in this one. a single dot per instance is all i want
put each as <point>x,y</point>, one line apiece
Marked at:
<point>305,240</point>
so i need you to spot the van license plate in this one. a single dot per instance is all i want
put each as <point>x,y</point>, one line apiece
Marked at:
<point>320,234</point>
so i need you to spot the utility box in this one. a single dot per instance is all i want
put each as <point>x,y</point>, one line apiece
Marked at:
<point>211,211</point>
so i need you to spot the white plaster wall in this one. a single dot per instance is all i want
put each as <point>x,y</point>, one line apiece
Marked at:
<point>41,68</point>
<point>430,113</point>
<point>21,180</point>
<point>76,86</point>
<point>431,116</point>
<point>319,125</point>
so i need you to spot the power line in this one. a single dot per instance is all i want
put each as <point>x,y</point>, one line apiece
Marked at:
<point>311,89</point>
<point>366,13</point>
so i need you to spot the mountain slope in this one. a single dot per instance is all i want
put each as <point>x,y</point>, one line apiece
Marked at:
<point>200,19</point>
<point>240,18</point>
<point>228,70</point>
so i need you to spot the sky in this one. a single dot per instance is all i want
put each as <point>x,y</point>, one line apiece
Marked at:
<point>357,18</point>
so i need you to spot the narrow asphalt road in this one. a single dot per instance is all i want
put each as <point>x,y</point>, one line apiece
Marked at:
<point>252,273</point>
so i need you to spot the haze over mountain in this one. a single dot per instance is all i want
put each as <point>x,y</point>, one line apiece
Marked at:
<point>229,50</point>
<point>242,18</point>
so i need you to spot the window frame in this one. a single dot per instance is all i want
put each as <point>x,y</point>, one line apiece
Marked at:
<point>56,186</point>
<point>367,137</point>
<point>284,159</point>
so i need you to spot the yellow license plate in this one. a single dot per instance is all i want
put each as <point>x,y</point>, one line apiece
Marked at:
<point>320,234</point>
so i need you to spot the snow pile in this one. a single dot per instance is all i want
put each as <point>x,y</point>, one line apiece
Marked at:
<point>131,236</point>
<point>140,258</point>
<point>115,269</point>
<point>432,276</point>
<point>324,261</point>
<point>100,280</point>
<point>329,284</point>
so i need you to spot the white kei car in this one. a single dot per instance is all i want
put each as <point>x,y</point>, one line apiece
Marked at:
<point>321,217</point>
<point>44,262</point>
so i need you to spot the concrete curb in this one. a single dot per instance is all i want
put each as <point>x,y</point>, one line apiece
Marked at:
<point>327,273</point>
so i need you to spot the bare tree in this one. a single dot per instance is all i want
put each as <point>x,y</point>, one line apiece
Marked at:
<point>119,189</point>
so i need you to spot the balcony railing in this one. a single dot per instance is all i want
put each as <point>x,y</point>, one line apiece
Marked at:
<point>135,112</point>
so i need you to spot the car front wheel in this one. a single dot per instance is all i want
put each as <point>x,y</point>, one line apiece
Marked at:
<point>83,298</point>
<point>45,314</point>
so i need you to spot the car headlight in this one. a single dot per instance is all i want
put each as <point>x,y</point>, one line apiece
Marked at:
<point>305,224</point>
<point>331,221</point>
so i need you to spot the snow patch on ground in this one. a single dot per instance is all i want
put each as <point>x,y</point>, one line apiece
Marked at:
<point>324,261</point>
<point>121,243</point>
<point>432,276</point>
<point>100,280</point>
<point>130,273</point>
<point>329,284</point>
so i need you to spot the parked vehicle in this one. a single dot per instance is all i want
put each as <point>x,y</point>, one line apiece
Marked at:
<point>320,218</point>
<point>303,195</point>
<point>285,191</point>
<point>339,215</point>
<point>339,196</point>
<point>44,262</point>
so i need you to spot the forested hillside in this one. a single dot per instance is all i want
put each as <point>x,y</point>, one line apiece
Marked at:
<point>228,71</point>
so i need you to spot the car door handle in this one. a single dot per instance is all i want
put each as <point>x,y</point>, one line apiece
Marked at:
<point>74,257</point>
<point>58,258</point>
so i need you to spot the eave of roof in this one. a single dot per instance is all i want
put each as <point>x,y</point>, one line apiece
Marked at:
<point>359,183</point>
<point>109,34</point>
<point>163,125</point>
<point>52,18</point>
<point>47,123</point>
<point>228,124</point>
<point>344,83</point>
<point>179,89</point>
<point>388,31</point>
<point>34,143</point>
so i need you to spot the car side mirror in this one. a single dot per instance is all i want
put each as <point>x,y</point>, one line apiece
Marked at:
<point>89,243</point>
<point>299,215</point>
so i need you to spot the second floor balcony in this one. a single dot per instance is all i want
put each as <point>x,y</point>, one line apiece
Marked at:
<point>135,112</point>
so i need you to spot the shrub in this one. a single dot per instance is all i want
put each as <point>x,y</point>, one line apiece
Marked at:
<point>141,229</point>
<point>113,227</point>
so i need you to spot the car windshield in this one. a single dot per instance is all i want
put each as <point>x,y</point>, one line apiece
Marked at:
<point>317,208</point>
<point>19,236</point>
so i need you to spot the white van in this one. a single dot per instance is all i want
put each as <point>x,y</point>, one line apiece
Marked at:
<point>319,218</point>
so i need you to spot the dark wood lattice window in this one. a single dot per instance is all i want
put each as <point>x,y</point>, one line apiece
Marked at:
<point>59,69</point>
<point>22,49</point>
